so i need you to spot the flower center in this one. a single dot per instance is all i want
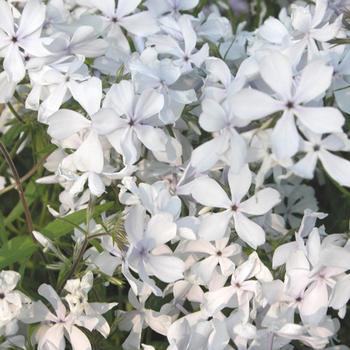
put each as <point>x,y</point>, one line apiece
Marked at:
<point>234,207</point>
<point>290,104</point>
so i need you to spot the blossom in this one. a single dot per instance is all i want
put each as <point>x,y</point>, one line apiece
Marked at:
<point>61,324</point>
<point>131,125</point>
<point>25,37</point>
<point>213,226</point>
<point>290,100</point>
<point>147,254</point>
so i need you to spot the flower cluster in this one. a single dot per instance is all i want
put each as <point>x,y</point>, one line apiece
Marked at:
<point>206,135</point>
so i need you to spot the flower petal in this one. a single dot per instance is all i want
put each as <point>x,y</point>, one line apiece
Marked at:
<point>307,89</point>
<point>149,104</point>
<point>33,17</point>
<point>88,93</point>
<point>261,202</point>
<point>208,192</point>
<point>214,226</point>
<point>285,138</point>
<point>65,123</point>
<point>321,119</point>
<point>167,268</point>
<point>248,231</point>
<point>213,117</point>
<point>276,71</point>
<point>89,156</point>
<point>253,104</point>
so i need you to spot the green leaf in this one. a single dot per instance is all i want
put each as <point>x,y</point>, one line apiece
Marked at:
<point>31,193</point>
<point>18,249</point>
<point>65,225</point>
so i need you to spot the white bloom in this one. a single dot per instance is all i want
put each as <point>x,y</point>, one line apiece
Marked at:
<point>148,254</point>
<point>213,226</point>
<point>291,96</point>
<point>25,36</point>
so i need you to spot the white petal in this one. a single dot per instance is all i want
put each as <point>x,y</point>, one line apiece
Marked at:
<point>321,119</point>
<point>142,24</point>
<point>105,121</point>
<point>107,7</point>
<point>6,18</point>
<point>341,293</point>
<point>154,139</point>
<point>315,304</point>
<point>208,192</point>
<point>65,123</point>
<point>7,88</point>
<point>261,202</point>
<point>52,297</point>
<point>161,229</point>
<point>53,338</point>
<point>205,268</point>
<point>88,93</point>
<point>273,30</point>
<point>78,339</point>
<point>200,56</point>
<point>239,183</point>
<point>32,18</point>
<point>285,137</point>
<point>248,231</point>
<point>213,117</point>
<point>158,322</point>
<point>96,185</point>
<point>305,167</point>
<point>89,156</point>
<point>54,101</point>
<point>120,97</point>
<point>306,90</point>
<point>188,33</point>
<point>187,4</point>
<point>125,7</point>
<point>130,146</point>
<point>134,224</point>
<point>149,104</point>
<point>343,99</point>
<point>205,156</point>
<point>166,268</point>
<point>281,254</point>
<point>253,104</point>
<point>13,64</point>
<point>338,168</point>
<point>219,70</point>
<point>219,299</point>
<point>214,226</point>
<point>276,71</point>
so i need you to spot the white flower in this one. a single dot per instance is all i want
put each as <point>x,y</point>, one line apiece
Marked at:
<point>59,325</point>
<point>25,37</point>
<point>291,96</point>
<point>186,54</point>
<point>318,148</point>
<point>159,7</point>
<point>206,191</point>
<point>77,299</point>
<point>136,320</point>
<point>147,253</point>
<point>311,27</point>
<point>121,16</point>
<point>11,302</point>
<point>131,124</point>
<point>219,254</point>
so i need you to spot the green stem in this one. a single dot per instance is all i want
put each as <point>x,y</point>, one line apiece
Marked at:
<point>14,112</point>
